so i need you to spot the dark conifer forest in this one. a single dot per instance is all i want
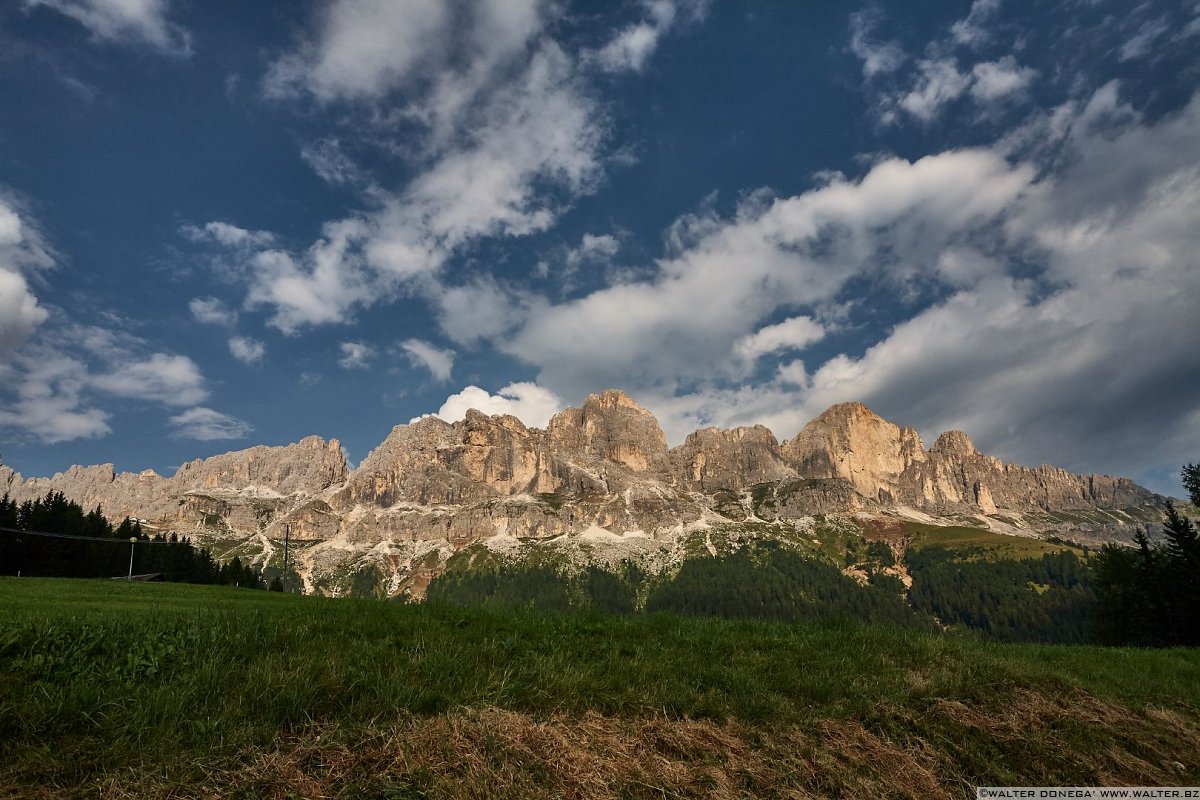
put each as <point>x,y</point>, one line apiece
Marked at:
<point>54,537</point>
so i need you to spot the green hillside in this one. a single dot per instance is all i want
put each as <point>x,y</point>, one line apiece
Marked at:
<point>146,690</point>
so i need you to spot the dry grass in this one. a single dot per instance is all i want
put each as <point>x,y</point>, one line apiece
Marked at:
<point>494,753</point>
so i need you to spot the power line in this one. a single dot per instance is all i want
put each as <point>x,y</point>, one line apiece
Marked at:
<point>18,532</point>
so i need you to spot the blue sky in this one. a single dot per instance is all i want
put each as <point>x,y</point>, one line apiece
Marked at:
<point>230,224</point>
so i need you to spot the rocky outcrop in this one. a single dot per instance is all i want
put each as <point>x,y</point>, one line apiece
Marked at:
<point>243,488</point>
<point>851,442</point>
<point>887,464</point>
<point>711,459</point>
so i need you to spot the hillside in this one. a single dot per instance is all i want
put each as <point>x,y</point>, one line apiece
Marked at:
<point>599,483</point>
<point>148,690</point>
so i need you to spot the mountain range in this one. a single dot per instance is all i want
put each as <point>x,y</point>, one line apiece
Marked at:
<point>598,484</point>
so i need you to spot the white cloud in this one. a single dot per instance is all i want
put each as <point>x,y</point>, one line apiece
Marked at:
<point>528,402</point>
<point>519,155</point>
<point>355,355</point>
<point>212,311</point>
<point>330,162</point>
<point>247,350</point>
<point>630,49</point>
<point>204,424</point>
<point>727,275</point>
<point>1142,43</point>
<point>49,401</point>
<point>992,80</point>
<point>940,82</point>
<point>540,132</point>
<point>1088,365</point>
<point>794,333</point>
<point>22,252</point>
<point>879,58</point>
<point>160,378</point>
<point>972,31</point>
<point>593,248</point>
<point>125,21</point>
<point>366,49</point>
<point>439,362</point>
<point>319,286</point>
<point>227,235</point>
<point>482,309</point>
<point>20,313</point>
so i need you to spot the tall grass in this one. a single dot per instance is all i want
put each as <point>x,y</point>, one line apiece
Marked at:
<point>101,676</point>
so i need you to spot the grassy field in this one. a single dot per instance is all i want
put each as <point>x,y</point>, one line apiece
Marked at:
<point>984,543</point>
<point>156,690</point>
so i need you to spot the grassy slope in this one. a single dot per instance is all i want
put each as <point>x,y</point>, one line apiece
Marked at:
<point>157,690</point>
<point>985,543</point>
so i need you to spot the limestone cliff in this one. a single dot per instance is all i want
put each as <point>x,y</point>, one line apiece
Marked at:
<point>711,459</point>
<point>600,470</point>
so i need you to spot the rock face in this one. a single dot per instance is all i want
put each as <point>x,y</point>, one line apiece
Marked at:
<point>712,459</point>
<point>263,477</point>
<point>601,470</point>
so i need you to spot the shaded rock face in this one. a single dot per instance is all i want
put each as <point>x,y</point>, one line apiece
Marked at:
<point>431,487</point>
<point>711,459</point>
<point>240,484</point>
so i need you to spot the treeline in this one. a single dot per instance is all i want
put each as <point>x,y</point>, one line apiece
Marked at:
<point>101,554</point>
<point>1150,595</point>
<point>541,587</point>
<point>762,580</point>
<point>1047,599</point>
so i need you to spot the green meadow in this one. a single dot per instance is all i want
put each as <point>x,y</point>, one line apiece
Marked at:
<point>157,690</point>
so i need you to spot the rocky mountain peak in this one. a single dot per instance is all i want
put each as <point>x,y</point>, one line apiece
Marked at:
<point>851,442</point>
<point>613,398</point>
<point>736,458</point>
<point>611,427</point>
<point>954,443</point>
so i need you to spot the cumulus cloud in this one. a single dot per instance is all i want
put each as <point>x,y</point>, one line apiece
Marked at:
<point>631,48</point>
<point>330,162</point>
<point>791,334</point>
<point>22,253</point>
<point>972,30</point>
<point>161,378</point>
<point>878,58</point>
<point>1085,365</point>
<point>321,285</point>
<point>593,248</point>
<point>212,311</point>
<point>137,22</point>
<point>355,355</point>
<point>992,80</point>
<point>439,362</point>
<point>49,400</point>
<point>940,82</point>
<point>528,402</point>
<point>204,424</point>
<point>506,153</point>
<point>247,350</point>
<point>364,50</point>
<point>685,322</point>
<point>938,79</point>
<point>228,235</point>
<point>20,313</point>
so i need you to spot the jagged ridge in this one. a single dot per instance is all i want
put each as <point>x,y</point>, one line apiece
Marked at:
<point>431,487</point>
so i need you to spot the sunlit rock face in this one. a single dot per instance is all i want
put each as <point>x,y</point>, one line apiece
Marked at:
<point>432,488</point>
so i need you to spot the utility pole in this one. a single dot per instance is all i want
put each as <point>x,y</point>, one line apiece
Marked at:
<point>132,544</point>
<point>287,534</point>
